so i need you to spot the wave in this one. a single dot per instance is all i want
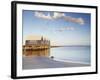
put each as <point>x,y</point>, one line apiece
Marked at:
<point>71,61</point>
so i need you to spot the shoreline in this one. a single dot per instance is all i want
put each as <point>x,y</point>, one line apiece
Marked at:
<point>72,46</point>
<point>46,62</point>
<point>71,61</point>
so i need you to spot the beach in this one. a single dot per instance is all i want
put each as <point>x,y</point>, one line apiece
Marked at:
<point>40,62</point>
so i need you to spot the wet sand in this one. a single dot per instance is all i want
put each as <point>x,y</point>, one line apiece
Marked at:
<point>45,62</point>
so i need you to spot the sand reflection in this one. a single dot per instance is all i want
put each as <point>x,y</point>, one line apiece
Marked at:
<point>44,52</point>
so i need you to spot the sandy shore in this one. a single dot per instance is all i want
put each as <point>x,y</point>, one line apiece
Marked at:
<point>44,62</point>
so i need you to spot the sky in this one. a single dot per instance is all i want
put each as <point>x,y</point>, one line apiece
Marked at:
<point>61,28</point>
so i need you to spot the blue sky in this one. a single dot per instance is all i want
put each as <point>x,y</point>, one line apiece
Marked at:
<point>61,28</point>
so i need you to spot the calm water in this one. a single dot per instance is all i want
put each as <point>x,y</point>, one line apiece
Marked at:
<point>74,54</point>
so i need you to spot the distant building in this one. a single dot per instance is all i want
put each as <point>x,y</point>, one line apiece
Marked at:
<point>36,45</point>
<point>37,42</point>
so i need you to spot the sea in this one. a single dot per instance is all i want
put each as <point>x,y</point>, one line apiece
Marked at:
<point>75,54</point>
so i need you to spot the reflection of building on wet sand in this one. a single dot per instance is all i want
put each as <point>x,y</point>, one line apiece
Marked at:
<point>44,52</point>
<point>36,47</point>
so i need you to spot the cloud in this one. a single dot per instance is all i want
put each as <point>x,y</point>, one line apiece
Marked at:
<point>81,21</point>
<point>43,16</point>
<point>66,29</point>
<point>58,15</point>
<point>74,20</point>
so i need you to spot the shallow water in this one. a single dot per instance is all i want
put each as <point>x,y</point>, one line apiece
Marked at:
<point>80,54</point>
<point>75,54</point>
